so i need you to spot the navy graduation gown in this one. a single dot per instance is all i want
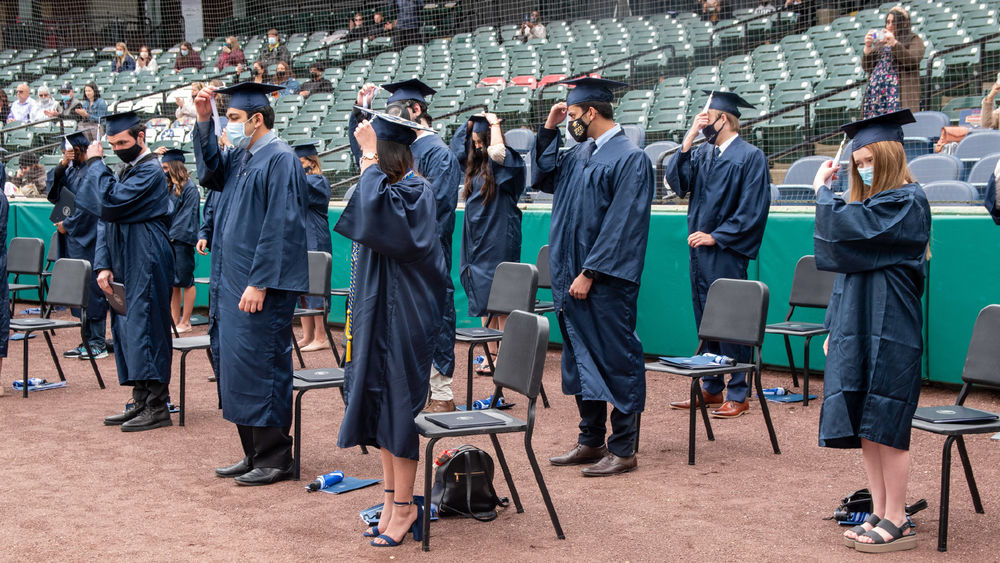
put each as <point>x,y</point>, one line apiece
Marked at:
<point>600,222</point>
<point>318,238</point>
<point>132,243</point>
<point>184,214</point>
<point>399,292</point>
<point>991,199</point>
<point>729,198</point>
<point>259,240</point>
<point>205,233</point>
<point>875,317</point>
<point>492,231</point>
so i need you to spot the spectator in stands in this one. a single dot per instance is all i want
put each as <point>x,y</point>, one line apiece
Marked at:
<point>231,55</point>
<point>316,83</point>
<point>145,61</point>
<point>187,57</point>
<point>124,61</point>
<point>45,100</point>
<point>987,118</point>
<point>259,73</point>
<point>379,26</point>
<point>531,27</point>
<point>92,106</point>
<point>709,10</point>
<point>185,103</point>
<point>24,108</point>
<point>67,105</point>
<point>763,7</point>
<point>804,9</point>
<point>356,28</point>
<point>283,76</point>
<point>274,51</point>
<point>30,177</point>
<point>4,103</point>
<point>892,59</point>
<point>407,24</point>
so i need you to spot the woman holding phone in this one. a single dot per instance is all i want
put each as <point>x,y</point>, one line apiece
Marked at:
<point>892,60</point>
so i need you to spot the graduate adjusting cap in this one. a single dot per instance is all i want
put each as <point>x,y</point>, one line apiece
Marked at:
<point>393,128</point>
<point>886,127</point>
<point>248,96</point>
<point>77,139</point>
<point>727,102</point>
<point>411,89</point>
<point>305,149</point>
<point>479,124</point>
<point>591,90</point>
<point>173,155</point>
<point>118,122</point>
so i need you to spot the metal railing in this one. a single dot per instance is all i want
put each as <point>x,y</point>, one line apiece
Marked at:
<point>926,93</point>
<point>4,131</point>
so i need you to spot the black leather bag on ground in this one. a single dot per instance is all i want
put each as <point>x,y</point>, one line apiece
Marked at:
<point>463,485</point>
<point>861,501</point>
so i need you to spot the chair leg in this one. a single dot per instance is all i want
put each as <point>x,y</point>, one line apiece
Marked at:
<point>703,407</point>
<point>183,378</point>
<point>428,458</point>
<point>545,399</point>
<point>295,344</point>
<point>93,362</point>
<point>977,502</point>
<point>468,390</point>
<point>55,357</point>
<point>764,409</point>
<point>333,343</point>
<point>297,440</point>
<point>791,361</point>
<point>541,486</point>
<point>691,420</point>
<point>24,347</point>
<point>638,427</point>
<point>945,494</point>
<point>805,374</point>
<point>506,473</point>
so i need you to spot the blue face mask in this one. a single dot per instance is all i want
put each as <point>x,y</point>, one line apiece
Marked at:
<point>237,134</point>
<point>867,175</point>
<point>65,97</point>
<point>119,53</point>
<point>184,52</point>
<point>272,40</point>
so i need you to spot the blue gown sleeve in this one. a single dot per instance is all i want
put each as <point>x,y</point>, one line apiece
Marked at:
<point>682,173</point>
<point>55,180</point>
<point>547,143</point>
<point>885,230</point>
<point>284,216</point>
<point>207,218</point>
<point>213,162</point>
<point>184,223</point>
<point>352,124</point>
<point>394,220</point>
<point>319,192</point>
<point>458,145</point>
<point>509,176</point>
<point>447,176</point>
<point>615,252</point>
<point>991,199</point>
<point>141,198</point>
<point>102,260</point>
<point>744,229</point>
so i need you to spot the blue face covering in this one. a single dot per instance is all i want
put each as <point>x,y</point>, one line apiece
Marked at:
<point>65,97</point>
<point>184,52</point>
<point>272,40</point>
<point>119,53</point>
<point>867,175</point>
<point>237,134</point>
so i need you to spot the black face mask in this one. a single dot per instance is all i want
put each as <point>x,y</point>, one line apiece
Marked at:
<point>578,129</point>
<point>710,132</point>
<point>129,154</point>
<point>280,74</point>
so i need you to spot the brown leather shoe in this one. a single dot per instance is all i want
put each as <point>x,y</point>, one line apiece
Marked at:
<point>435,405</point>
<point>580,455</point>
<point>611,465</point>
<point>731,409</point>
<point>712,401</point>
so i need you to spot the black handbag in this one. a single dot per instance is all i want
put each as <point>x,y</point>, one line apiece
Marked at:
<point>463,485</point>
<point>861,501</point>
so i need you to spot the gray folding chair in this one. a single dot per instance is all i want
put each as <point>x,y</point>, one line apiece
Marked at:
<point>520,365</point>
<point>185,346</point>
<point>25,257</point>
<point>980,369</point>
<point>544,281</point>
<point>320,265</point>
<point>735,313</point>
<point>513,289</point>
<point>307,380</point>
<point>810,288</point>
<point>70,287</point>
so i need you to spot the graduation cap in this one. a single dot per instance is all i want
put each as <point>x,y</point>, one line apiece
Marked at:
<point>727,102</point>
<point>118,122</point>
<point>479,124</point>
<point>173,155</point>
<point>77,139</point>
<point>390,127</point>
<point>886,127</point>
<point>591,90</point>
<point>306,149</point>
<point>248,96</point>
<point>411,89</point>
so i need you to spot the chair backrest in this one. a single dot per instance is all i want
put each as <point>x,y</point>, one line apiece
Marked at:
<point>984,355</point>
<point>25,255</point>
<point>521,140</point>
<point>982,170</point>
<point>950,193</point>
<point>936,168</point>
<point>70,283</point>
<point>521,359</point>
<point>637,133</point>
<point>735,312</point>
<point>320,267</point>
<point>654,150</point>
<point>928,124</point>
<point>811,287</point>
<point>978,145</point>
<point>514,287</point>
<point>542,264</point>
<point>53,253</point>
<point>803,170</point>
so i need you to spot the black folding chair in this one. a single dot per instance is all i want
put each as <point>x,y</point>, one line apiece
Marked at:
<point>520,364</point>
<point>50,258</point>
<point>24,258</point>
<point>513,289</point>
<point>320,264</point>
<point>307,380</point>
<point>70,287</point>
<point>544,281</point>
<point>980,369</point>
<point>735,313</point>
<point>810,288</point>
<point>185,346</point>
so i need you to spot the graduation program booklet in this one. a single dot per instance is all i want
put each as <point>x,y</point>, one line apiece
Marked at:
<point>117,297</point>
<point>63,208</point>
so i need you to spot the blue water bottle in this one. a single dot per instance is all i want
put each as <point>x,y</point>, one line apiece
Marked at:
<point>324,481</point>
<point>482,404</point>
<point>776,391</point>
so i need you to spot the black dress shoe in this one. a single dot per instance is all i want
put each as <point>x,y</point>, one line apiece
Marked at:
<point>124,417</point>
<point>243,466</point>
<point>580,455</point>
<point>149,419</point>
<point>264,476</point>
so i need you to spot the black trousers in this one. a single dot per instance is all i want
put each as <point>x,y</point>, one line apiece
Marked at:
<point>153,394</point>
<point>593,427</point>
<point>266,446</point>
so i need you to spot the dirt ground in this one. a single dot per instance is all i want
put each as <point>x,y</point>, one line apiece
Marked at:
<point>74,490</point>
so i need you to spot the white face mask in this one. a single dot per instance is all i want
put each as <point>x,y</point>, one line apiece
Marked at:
<point>237,134</point>
<point>867,175</point>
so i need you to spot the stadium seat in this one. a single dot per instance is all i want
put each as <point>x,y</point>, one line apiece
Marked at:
<point>936,168</point>
<point>950,193</point>
<point>982,170</point>
<point>803,171</point>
